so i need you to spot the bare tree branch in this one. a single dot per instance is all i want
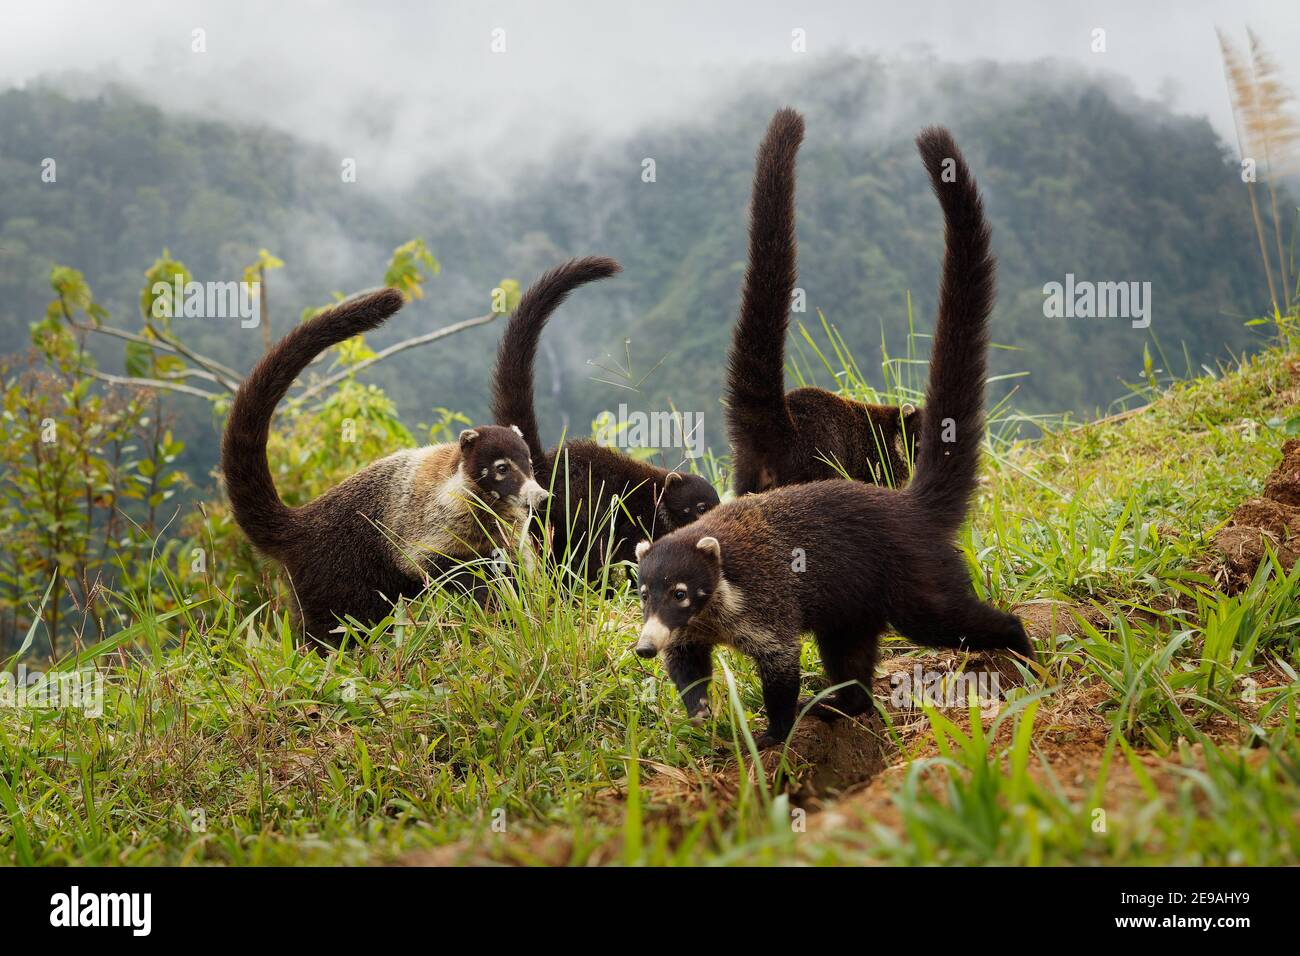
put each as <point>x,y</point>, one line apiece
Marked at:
<point>192,373</point>
<point>222,375</point>
<point>227,378</point>
<point>213,371</point>
<point>393,349</point>
<point>152,383</point>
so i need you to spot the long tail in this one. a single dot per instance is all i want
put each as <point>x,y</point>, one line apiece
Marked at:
<point>952,428</point>
<point>512,378</point>
<point>757,414</point>
<point>266,519</point>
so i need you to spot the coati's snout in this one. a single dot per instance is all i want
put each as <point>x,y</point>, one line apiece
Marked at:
<point>532,493</point>
<point>646,645</point>
<point>676,578</point>
<point>496,459</point>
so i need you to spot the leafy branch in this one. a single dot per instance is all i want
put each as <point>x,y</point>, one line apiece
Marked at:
<point>406,272</point>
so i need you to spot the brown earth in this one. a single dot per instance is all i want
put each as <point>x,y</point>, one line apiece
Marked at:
<point>1272,520</point>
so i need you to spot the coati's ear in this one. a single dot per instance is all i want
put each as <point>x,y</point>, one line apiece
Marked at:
<point>641,549</point>
<point>710,547</point>
<point>671,477</point>
<point>467,438</point>
<point>515,429</point>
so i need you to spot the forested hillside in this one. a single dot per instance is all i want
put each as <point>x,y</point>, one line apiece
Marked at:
<point>1079,179</point>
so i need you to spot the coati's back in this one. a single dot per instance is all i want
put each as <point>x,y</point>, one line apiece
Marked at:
<point>836,437</point>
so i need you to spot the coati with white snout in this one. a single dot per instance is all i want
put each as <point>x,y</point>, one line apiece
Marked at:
<point>585,477</point>
<point>841,558</point>
<point>379,534</point>
<point>781,438</point>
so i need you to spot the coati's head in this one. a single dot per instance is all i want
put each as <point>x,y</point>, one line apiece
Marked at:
<point>677,578</point>
<point>684,498</point>
<point>495,460</point>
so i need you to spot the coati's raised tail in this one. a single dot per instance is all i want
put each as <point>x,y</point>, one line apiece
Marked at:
<point>604,501</point>
<point>512,383</point>
<point>953,427</point>
<point>757,414</point>
<point>264,517</point>
<point>808,434</point>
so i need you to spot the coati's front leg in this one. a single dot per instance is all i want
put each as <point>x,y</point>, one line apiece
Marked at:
<point>778,669</point>
<point>690,667</point>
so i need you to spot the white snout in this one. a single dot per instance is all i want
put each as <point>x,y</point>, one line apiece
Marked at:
<point>533,493</point>
<point>654,635</point>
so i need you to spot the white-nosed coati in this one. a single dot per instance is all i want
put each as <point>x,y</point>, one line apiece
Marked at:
<point>840,558</point>
<point>781,438</point>
<point>377,535</point>
<point>587,528</point>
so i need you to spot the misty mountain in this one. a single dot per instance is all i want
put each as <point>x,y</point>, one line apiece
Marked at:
<point>1080,177</point>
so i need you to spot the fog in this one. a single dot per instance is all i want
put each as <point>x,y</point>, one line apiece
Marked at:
<point>404,86</point>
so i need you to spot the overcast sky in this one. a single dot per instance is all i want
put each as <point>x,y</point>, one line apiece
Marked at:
<point>421,79</point>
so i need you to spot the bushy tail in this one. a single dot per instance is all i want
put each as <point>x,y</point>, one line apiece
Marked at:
<point>757,414</point>
<point>512,378</point>
<point>266,520</point>
<point>952,427</point>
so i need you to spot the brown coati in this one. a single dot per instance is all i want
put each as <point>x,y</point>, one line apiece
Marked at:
<point>808,434</point>
<point>843,559</point>
<point>586,526</point>
<point>381,533</point>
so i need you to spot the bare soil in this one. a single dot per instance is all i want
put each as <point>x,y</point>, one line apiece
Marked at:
<point>1272,520</point>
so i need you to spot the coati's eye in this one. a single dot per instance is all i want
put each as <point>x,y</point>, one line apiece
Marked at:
<point>503,469</point>
<point>645,593</point>
<point>679,594</point>
<point>702,507</point>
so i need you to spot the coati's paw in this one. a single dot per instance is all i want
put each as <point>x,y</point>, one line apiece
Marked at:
<point>773,737</point>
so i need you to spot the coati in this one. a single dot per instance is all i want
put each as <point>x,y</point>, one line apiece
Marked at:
<point>586,527</point>
<point>781,438</point>
<point>843,559</point>
<point>373,537</point>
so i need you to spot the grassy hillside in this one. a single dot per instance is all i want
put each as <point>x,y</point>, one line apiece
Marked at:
<point>1161,727</point>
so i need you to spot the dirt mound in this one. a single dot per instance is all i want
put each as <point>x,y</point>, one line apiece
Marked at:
<point>838,755</point>
<point>1046,619</point>
<point>1270,521</point>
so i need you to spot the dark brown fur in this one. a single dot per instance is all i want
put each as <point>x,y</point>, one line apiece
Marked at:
<point>808,434</point>
<point>381,533</point>
<point>842,559</point>
<point>587,528</point>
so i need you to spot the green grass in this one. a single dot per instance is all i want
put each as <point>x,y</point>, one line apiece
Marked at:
<point>530,733</point>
